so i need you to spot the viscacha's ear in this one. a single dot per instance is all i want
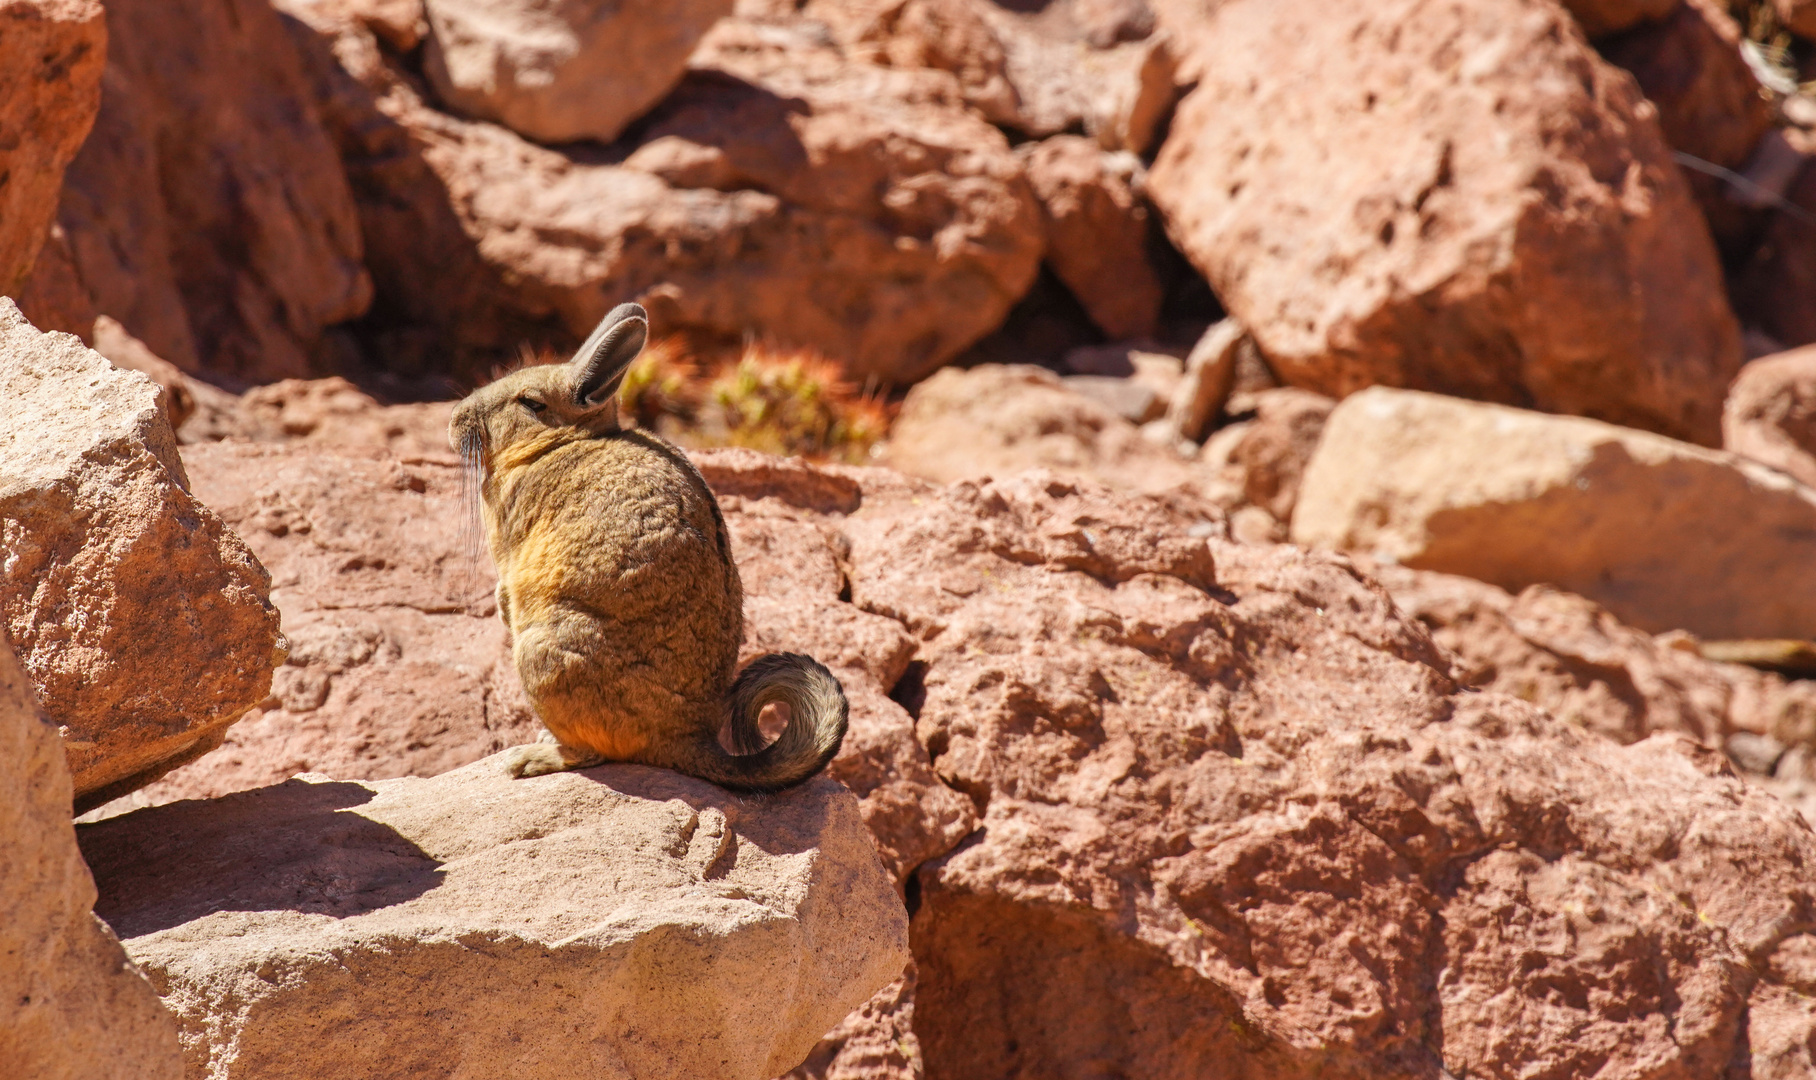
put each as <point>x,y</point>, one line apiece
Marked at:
<point>600,364</point>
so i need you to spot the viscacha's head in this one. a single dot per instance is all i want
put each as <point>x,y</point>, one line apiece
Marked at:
<point>551,402</point>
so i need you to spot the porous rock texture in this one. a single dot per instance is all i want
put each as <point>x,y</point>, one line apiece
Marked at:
<point>622,921</point>
<point>141,617</point>
<point>782,188</point>
<point>1664,534</point>
<point>208,211</point>
<point>399,664</point>
<point>562,72</point>
<point>1097,231</point>
<point>1459,197</point>
<point>76,1009</point>
<point>51,52</point>
<point>1277,445</point>
<point>1770,414</point>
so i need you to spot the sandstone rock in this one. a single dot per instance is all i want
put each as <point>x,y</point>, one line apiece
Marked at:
<point>1097,231</point>
<point>399,664</point>
<point>76,1008</point>
<point>1770,414</point>
<point>1239,829</point>
<point>562,72</point>
<point>1278,445</point>
<point>207,211</point>
<point>780,190</point>
<point>141,617</point>
<point>618,921</point>
<point>1511,228</point>
<point>1663,534</point>
<point>1709,103</point>
<point>51,53</point>
<point>1039,69</point>
<point>52,295</point>
<point>1210,371</point>
<point>334,412</point>
<point>999,419</point>
<point>1572,658</point>
<point>876,1042</point>
<point>1602,17</point>
<point>128,353</point>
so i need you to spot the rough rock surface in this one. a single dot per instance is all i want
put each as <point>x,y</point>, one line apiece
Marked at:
<point>998,419</point>
<point>51,53</point>
<point>1601,17</point>
<point>1575,660</point>
<point>1456,196</point>
<point>562,72</point>
<point>1097,231</point>
<point>399,664</point>
<point>76,1008</point>
<point>782,188</point>
<point>1277,445</point>
<point>1770,415</point>
<point>1664,534</point>
<point>207,211</point>
<point>1039,69</point>
<point>175,396</point>
<point>1709,102</point>
<point>141,617</point>
<point>622,921</point>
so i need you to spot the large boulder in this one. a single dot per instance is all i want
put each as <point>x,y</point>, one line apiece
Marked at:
<point>620,921</point>
<point>51,53</point>
<point>399,664</point>
<point>562,72</point>
<point>1664,534</point>
<point>141,617</point>
<point>1460,197</point>
<point>1097,231</point>
<point>76,1008</point>
<point>208,211</point>
<point>781,189</point>
<point>1770,415</point>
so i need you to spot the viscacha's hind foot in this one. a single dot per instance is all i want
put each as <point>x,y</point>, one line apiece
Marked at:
<point>542,758</point>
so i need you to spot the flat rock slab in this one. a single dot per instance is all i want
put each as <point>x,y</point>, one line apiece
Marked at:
<point>618,922</point>
<point>1663,534</point>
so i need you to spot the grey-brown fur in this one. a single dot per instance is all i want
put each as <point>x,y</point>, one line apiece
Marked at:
<point>616,578</point>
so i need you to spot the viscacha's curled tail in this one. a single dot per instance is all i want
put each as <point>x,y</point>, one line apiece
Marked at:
<point>818,715</point>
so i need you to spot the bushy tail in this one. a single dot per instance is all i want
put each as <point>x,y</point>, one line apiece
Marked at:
<point>817,717</point>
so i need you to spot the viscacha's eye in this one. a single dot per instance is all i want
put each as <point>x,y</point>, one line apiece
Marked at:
<point>532,404</point>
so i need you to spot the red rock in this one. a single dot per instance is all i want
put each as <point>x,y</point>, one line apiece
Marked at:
<point>1097,231</point>
<point>1710,105</point>
<point>1602,17</point>
<point>781,190</point>
<point>1770,415</point>
<point>141,617</point>
<point>51,53</point>
<point>1798,16</point>
<point>1773,289</point>
<point>1278,445</point>
<point>76,1008</point>
<point>1512,228</point>
<point>562,72</point>
<point>207,211</point>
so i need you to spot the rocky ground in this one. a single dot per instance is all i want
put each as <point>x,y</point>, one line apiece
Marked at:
<point>1334,598</point>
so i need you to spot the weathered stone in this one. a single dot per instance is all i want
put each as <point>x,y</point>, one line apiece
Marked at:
<point>1663,534</point>
<point>1097,231</point>
<point>1508,227</point>
<point>1210,371</point>
<point>207,211</point>
<point>1770,415</point>
<point>51,54</point>
<point>1277,446</point>
<point>141,617</point>
<point>1602,17</point>
<point>781,190</point>
<point>562,72</point>
<point>998,419</point>
<point>76,1009</point>
<point>128,353</point>
<point>1772,290</point>
<point>1798,16</point>
<point>1709,103</point>
<point>620,921</point>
